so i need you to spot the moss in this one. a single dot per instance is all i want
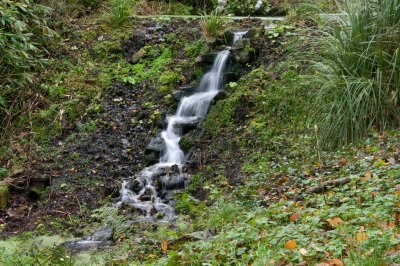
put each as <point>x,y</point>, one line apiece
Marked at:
<point>185,144</point>
<point>169,77</point>
<point>4,196</point>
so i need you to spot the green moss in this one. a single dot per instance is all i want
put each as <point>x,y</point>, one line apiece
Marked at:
<point>88,126</point>
<point>3,173</point>
<point>185,143</point>
<point>169,78</point>
<point>4,196</point>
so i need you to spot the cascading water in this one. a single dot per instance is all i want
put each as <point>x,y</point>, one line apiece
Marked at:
<point>143,192</point>
<point>238,36</point>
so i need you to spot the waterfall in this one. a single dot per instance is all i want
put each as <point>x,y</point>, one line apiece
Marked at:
<point>144,196</point>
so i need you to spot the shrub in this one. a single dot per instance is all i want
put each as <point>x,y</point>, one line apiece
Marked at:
<point>246,7</point>
<point>211,25</point>
<point>359,79</point>
<point>23,36</point>
<point>120,10</point>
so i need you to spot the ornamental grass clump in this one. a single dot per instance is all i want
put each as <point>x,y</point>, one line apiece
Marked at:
<point>212,24</point>
<point>359,79</point>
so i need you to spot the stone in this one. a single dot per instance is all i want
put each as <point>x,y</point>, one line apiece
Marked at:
<point>253,33</point>
<point>241,56</point>
<point>4,196</point>
<point>146,195</point>
<point>190,125</point>
<point>103,234</point>
<point>136,185</point>
<point>137,56</point>
<point>208,58</point>
<point>220,96</point>
<point>175,169</point>
<point>228,36</point>
<point>156,145</point>
<point>211,41</point>
<point>40,180</point>
<point>174,182</point>
<point>184,91</point>
<point>230,77</point>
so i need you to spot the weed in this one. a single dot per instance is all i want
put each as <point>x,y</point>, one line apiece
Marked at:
<point>120,11</point>
<point>212,24</point>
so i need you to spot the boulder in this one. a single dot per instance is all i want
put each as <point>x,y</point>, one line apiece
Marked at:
<point>184,91</point>
<point>156,145</point>
<point>208,58</point>
<point>174,182</point>
<point>253,33</point>
<point>228,36</point>
<point>4,196</point>
<point>146,195</point>
<point>137,56</point>
<point>189,125</point>
<point>103,234</point>
<point>40,180</point>
<point>211,42</point>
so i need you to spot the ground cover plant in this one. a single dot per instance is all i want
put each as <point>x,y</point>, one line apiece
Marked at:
<point>297,162</point>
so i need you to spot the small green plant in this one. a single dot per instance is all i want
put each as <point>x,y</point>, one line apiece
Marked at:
<point>3,173</point>
<point>120,11</point>
<point>212,24</point>
<point>246,7</point>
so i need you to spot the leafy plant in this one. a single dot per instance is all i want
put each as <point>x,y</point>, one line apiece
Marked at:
<point>359,79</point>
<point>211,24</point>
<point>120,11</point>
<point>24,35</point>
<point>246,7</point>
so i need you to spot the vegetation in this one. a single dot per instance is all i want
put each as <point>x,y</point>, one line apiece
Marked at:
<point>297,162</point>
<point>359,78</point>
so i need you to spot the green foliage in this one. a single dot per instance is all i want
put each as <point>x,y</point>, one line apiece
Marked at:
<point>120,11</point>
<point>195,48</point>
<point>3,173</point>
<point>360,78</point>
<point>246,7</point>
<point>169,78</point>
<point>212,24</point>
<point>24,35</point>
<point>89,126</point>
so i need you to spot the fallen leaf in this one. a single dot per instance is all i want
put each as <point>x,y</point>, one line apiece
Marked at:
<point>294,217</point>
<point>303,251</point>
<point>335,221</point>
<point>335,262</point>
<point>164,245</point>
<point>291,244</point>
<point>391,225</point>
<point>366,177</point>
<point>361,236</point>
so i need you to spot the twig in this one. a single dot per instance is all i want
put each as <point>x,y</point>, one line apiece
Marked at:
<point>331,183</point>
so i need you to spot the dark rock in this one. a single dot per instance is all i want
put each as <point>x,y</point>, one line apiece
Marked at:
<point>136,185</point>
<point>103,234</point>
<point>4,196</point>
<point>211,42</point>
<point>230,77</point>
<point>241,56</point>
<point>253,33</point>
<point>40,180</point>
<point>35,193</point>
<point>184,91</point>
<point>156,145</point>
<point>220,96</point>
<point>146,195</point>
<point>137,56</point>
<point>208,58</point>
<point>174,182</point>
<point>83,245</point>
<point>175,169</point>
<point>189,126</point>
<point>228,36</point>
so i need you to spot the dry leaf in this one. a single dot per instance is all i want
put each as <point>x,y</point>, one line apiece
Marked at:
<point>335,221</point>
<point>303,251</point>
<point>164,245</point>
<point>361,236</point>
<point>335,262</point>
<point>294,217</point>
<point>366,177</point>
<point>391,225</point>
<point>291,244</point>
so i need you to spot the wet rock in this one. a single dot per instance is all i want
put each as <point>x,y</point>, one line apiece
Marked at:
<point>136,185</point>
<point>208,58</point>
<point>146,195</point>
<point>175,182</point>
<point>241,56</point>
<point>228,36</point>
<point>156,145</point>
<point>190,125</point>
<point>103,234</point>
<point>220,96</point>
<point>211,42</point>
<point>137,56</point>
<point>83,245</point>
<point>4,196</point>
<point>184,91</point>
<point>253,33</point>
<point>175,169</point>
<point>230,77</point>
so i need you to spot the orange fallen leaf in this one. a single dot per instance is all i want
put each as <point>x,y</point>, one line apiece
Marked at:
<point>391,225</point>
<point>291,244</point>
<point>294,217</point>
<point>335,262</point>
<point>366,177</point>
<point>361,236</point>
<point>164,245</point>
<point>335,221</point>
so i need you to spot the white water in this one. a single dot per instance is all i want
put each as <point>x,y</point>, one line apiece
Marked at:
<point>238,35</point>
<point>190,109</point>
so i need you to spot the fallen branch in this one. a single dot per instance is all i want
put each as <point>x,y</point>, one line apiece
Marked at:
<point>331,183</point>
